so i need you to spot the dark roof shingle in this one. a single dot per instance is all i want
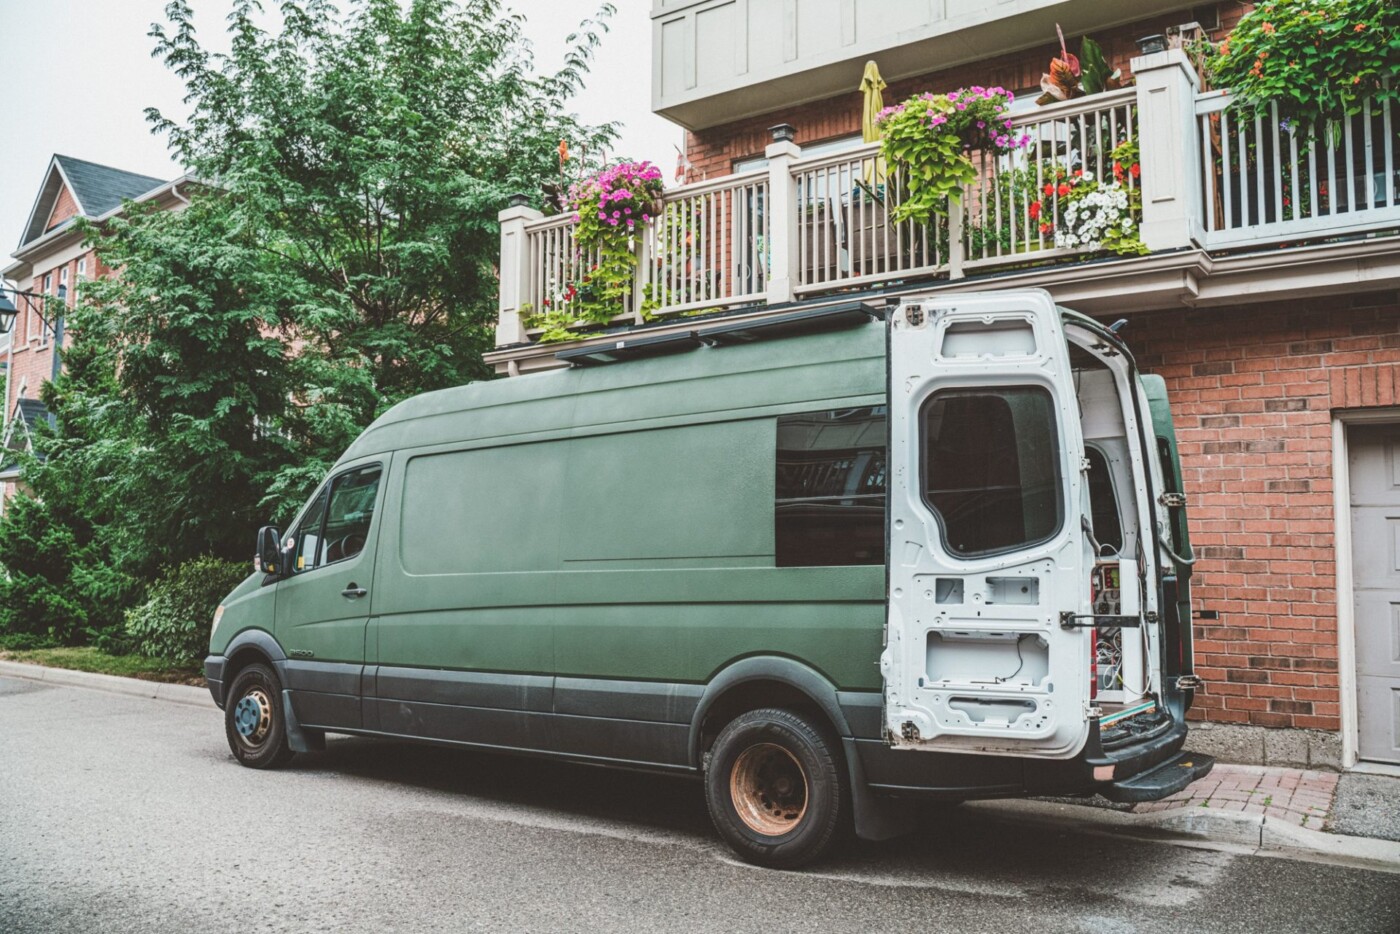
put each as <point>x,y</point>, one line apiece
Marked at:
<point>100,188</point>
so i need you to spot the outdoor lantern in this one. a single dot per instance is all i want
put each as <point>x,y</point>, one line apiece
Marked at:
<point>783,133</point>
<point>8,313</point>
<point>1154,43</point>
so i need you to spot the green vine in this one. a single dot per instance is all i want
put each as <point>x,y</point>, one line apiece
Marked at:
<point>1317,60</point>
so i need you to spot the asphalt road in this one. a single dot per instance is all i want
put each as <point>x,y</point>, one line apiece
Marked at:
<point>125,814</point>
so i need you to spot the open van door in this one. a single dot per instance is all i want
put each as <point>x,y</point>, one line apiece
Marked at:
<point>986,542</point>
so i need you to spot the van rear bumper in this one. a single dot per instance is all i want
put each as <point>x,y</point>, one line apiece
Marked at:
<point>959,776</point>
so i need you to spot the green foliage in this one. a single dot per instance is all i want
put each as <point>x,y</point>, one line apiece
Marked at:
<point>24,642</point>
<point>1316,60</point>
<point>173,624</point>
<point>337,257</point>
<point>1082,213</point>
<point>1070,76</point>
<point>1095,75</point>
<point>925,137</point>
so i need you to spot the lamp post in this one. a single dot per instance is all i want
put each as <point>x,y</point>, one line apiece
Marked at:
<point>9,312</point>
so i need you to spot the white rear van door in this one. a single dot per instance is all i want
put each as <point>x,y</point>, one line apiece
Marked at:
<point>986,544</point>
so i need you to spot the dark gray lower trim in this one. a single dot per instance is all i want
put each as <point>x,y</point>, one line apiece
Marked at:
<point>214,677</point>
<point>624,740</point>
<point>627,700</point>
<point>323,677</point>
<point>327,711</point>
<point>865,712</point>
<point>465,688</point>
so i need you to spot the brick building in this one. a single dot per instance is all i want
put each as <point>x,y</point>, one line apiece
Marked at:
<point>1278,334</point>
<point>51,262</point>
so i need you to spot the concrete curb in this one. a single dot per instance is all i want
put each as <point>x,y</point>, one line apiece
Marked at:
<point>1254,832</point>
<point>114,684</point>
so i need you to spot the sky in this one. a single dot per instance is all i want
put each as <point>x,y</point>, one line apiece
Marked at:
<point>77,75</point>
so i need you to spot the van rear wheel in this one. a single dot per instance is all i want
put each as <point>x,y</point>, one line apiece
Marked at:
<point>253,720</point>
<point>774,788</point>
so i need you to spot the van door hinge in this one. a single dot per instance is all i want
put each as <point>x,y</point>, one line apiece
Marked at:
<point>1173,500</point>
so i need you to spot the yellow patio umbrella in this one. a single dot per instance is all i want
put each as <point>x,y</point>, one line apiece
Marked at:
<point>873,87</point>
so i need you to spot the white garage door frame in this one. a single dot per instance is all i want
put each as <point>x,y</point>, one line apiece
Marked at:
<point>1346,595</point>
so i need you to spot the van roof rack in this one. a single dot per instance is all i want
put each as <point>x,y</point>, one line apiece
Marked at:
<point>808,321</point>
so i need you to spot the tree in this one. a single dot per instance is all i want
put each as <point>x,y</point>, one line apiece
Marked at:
<point>337,257</point>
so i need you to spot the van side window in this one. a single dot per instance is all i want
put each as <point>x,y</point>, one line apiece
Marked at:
<point>830,497</point>
<point>308,535</point>
<point>991,468</point>
<point>327,535</point>
<point>348,516</point>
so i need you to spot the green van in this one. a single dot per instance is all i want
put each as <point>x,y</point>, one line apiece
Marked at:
<point>825,560</point>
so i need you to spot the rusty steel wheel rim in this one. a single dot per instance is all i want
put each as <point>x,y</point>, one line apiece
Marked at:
<point>769,789</point>
<point>252,718</point>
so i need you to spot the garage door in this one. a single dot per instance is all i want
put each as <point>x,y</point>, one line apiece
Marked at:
<point>1375,549</point>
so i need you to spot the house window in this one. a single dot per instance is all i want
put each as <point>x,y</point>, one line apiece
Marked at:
<point>36,315</point>
<point>82,268</point>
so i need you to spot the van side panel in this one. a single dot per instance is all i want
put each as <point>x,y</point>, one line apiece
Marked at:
<point>557,571</point>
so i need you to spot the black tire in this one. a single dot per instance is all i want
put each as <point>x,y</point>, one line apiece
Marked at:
<point>253,720</point>
<point>752,787</point>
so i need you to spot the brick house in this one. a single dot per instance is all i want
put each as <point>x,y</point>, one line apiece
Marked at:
<point>51,262</point>
<point>1278,334</point>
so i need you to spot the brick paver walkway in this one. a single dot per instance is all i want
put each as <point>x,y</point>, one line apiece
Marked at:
<point>1298,796</point>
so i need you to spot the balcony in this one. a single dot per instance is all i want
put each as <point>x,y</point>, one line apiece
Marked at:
<point>1234,207</point>
<point>721,60</point>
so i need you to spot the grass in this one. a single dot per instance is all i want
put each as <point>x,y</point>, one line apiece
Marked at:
<point>87,658</point>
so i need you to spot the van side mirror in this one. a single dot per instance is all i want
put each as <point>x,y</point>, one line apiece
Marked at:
<point>269,554</point>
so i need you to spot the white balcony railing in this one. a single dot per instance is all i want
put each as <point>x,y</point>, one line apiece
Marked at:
<point>1210,179</point>
<point>1268,181</point>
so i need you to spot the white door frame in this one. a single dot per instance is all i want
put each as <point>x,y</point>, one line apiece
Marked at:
<point>1346,592</point>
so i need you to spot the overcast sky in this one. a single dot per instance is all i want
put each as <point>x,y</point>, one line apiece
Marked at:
<point>78,75</point>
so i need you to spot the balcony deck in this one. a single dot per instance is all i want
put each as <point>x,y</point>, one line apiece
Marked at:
<point>1234,207</point>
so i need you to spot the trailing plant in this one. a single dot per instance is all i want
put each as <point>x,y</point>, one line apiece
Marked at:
<point>1070,76</point>
<point>608,208</point>
<point>1316,60</point>
<point>927,137</point>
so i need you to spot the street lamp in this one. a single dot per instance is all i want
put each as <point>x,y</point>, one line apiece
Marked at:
<point>8,311</point>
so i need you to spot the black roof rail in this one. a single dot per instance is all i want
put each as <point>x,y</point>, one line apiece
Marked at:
<point>630,349</point>
<point>807,321</point>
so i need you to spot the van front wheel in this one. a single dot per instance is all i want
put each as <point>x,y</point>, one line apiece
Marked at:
<point>774,788</point>
<point>253,721</point>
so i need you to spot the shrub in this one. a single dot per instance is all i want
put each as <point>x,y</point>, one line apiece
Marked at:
<point>173,624</point>
<point>24,641</point>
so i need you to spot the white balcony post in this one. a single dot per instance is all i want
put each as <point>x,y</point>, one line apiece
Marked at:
<point>782,215</point>
<point>956,253</point>
<point>1171,150</point>
<point>514,288</point>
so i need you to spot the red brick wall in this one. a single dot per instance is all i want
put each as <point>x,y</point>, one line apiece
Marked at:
<point>32,339</point>
<point>1253,390</point>
<point>64,207</point>
<point>713,151</point>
